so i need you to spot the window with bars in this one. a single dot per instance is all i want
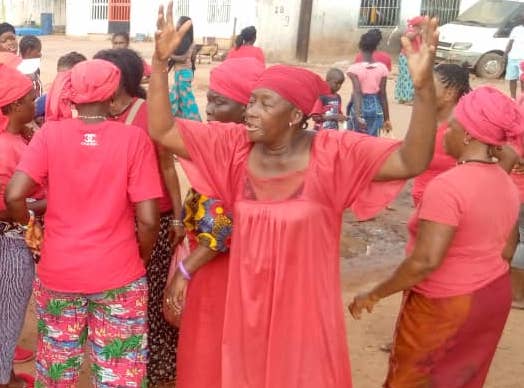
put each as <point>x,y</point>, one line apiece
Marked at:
<point>99,9</point>
<point>181,8</point>
<point>379,13</point>
<point>218,11</point>
<point>445,10</point>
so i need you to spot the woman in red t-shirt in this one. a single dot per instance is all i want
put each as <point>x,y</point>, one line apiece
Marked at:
<point>129,107</point>
<point>451,83</point>
<point>462,238</point>
<point>244,46</point>
<point>101,224</point>
<point>17,267</point>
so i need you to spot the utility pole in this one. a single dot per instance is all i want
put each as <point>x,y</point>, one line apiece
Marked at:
<point>304,29</point>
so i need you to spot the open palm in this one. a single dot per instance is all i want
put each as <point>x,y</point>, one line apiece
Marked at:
<point>421,62</point>
<point>167,36</point>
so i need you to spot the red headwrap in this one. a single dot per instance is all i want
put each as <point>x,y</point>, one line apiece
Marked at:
<point>13,86</point>
<point>299,86</point>
<point>416,21</point>
<point>88,81</point>
<point>235,78</point>
<point>490,116</point>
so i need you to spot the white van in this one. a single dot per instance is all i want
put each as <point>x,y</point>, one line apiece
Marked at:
<point>479,36</point>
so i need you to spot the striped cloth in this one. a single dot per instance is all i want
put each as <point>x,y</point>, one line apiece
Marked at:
<point>17,271</point>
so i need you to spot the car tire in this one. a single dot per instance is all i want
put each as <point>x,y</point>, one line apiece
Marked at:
<point>490,66</point>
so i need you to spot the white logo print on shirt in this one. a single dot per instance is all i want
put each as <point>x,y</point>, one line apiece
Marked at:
<point>89,140</point>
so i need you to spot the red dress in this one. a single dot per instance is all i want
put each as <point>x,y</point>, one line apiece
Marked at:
<point>247,51</point>
<point>284,316</point>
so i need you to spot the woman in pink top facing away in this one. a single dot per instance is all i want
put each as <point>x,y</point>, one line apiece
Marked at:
<point>129,107</point>
<point>91,283</point>
<point>288,188</point>
<point>451,83</point>
<point>369,110</point>
<point>462,238</point>
<point>244,46</point>
<point>378,56</point>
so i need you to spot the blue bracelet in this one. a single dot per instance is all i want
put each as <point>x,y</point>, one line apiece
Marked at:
<point>183,270</point>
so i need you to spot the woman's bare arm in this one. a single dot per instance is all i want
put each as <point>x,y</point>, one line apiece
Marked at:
<point>416,152</point>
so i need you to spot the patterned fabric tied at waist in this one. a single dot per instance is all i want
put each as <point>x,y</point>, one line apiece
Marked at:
<point>11,230</point>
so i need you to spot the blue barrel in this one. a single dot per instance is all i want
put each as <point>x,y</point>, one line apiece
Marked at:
<point>46,23</point>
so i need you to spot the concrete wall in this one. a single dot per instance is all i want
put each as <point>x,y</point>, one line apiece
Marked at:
<point>335,32</point>
<point>77,15</point>
<point>277,25</point>
<point>17,12</point>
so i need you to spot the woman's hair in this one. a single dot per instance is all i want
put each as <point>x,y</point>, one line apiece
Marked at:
<point>248,34</point>
<point>377,32</point>
<point>123,34</point>
<point>454,77</point>
<point>369,42</point>
<point>68,60</point>
<point>28,43</point>
<point>185,45</point>
<point>6,27</point>
<point>131,67</point>
<point>188,38</point>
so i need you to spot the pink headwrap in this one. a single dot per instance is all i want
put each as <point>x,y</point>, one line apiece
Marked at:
<point>490,116</point>
<point>299,86</point>
<point>88,81</point>
<point>235,78</point>
<point>416,21</point>
<point>13,86</point>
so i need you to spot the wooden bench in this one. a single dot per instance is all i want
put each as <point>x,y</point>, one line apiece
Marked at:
<point>208,49</point>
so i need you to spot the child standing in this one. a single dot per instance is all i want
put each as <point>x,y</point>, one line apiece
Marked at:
<point>30,48</point>
<point>327,111</point>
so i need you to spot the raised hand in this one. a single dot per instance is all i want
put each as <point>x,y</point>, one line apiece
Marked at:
<point>167,36</point>
<point>421,62</point>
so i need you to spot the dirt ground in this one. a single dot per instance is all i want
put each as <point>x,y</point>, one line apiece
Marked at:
<point>368,251</point>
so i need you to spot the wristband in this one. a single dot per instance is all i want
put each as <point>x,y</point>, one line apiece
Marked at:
<point>183,270</point>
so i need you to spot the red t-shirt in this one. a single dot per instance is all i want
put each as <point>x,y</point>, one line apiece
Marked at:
<point>482,203</point>
<point>96,174</point>
<point>140,120</point>
<point>247,51</point>
<point>378,56</point>
<point>441,162</point>
<point>12,147</point>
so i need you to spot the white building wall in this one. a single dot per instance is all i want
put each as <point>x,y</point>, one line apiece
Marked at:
<point>277,28</point>
<point>144,14</point>
<point>18,12</point>
<point>77,15</point>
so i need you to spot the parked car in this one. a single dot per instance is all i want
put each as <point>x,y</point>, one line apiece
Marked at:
<point>479,36</point>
